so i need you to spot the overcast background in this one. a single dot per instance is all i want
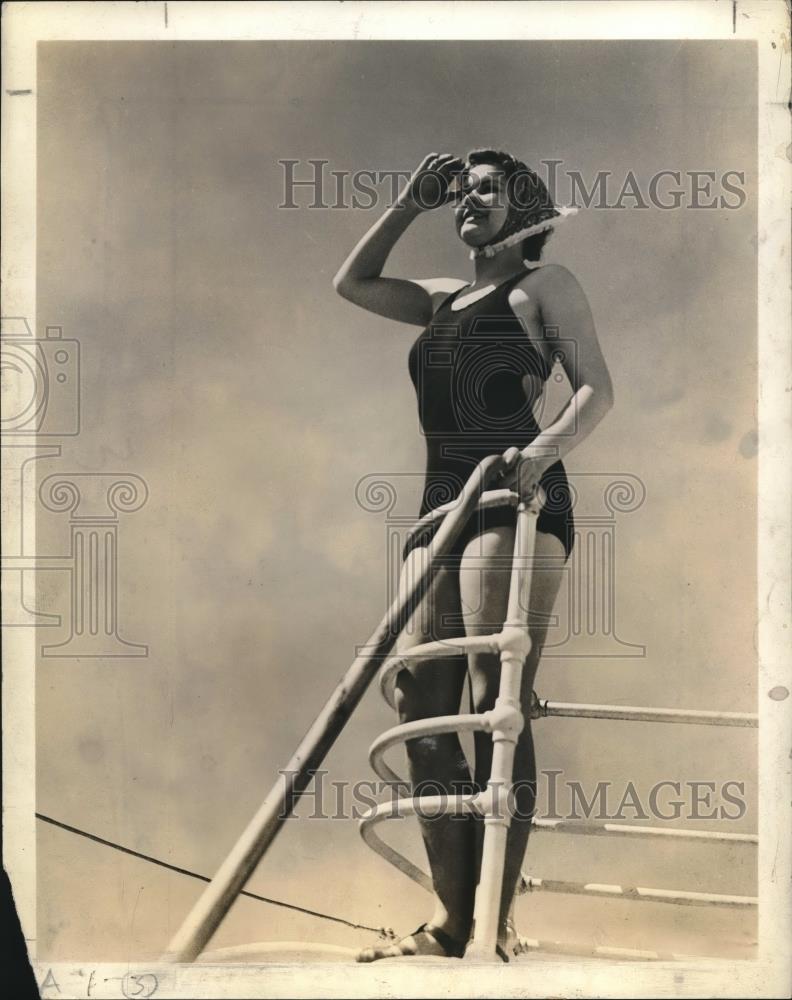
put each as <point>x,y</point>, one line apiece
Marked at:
<point>219,365</point>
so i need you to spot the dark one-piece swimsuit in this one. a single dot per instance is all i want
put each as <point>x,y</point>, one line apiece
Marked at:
<point>477,376</point>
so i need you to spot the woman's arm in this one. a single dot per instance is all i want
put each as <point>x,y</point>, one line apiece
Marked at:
<point>359,279</point>
<point>564,306</point>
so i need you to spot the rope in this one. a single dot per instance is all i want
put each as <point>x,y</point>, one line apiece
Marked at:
<point>385,932</point>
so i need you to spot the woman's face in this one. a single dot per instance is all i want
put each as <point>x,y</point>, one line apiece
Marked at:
<point>481,213</point>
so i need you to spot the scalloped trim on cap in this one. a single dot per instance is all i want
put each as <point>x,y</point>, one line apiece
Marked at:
<point>518,237</point>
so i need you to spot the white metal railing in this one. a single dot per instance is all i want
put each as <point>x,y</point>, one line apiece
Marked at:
<point>504,723</point>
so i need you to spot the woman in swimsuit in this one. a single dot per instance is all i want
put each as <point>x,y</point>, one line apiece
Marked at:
<point>479,367</point>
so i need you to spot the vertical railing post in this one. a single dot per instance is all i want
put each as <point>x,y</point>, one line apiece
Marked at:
<point>508,722</point>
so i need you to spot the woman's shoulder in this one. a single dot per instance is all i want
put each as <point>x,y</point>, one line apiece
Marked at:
<point>547,280</point>
<point>556,277</point>
<point>549,274</point>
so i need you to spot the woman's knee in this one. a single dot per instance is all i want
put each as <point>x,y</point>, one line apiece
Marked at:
<point>538,636</point>
<point>485,674</point>
<point>438,758</point>
<point>437,616</point>
<point>427,691</point>
<point>434,754</point>
<point>416,700</point>
<point>404,700</point>
<point>484,680</point>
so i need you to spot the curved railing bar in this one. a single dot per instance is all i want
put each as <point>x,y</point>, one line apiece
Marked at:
<point>436,650</point>
<point>437,726</point>
<point>492,498</point>
<point>457,805</point>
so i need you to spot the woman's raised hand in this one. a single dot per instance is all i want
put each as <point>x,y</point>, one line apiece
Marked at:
<point>429,185</point>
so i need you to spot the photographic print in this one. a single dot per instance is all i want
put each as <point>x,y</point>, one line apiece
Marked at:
<point>396,486</point>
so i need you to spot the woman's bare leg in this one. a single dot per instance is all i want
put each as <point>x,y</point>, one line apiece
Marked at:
<point>424,690</point>
<point>484,593</point>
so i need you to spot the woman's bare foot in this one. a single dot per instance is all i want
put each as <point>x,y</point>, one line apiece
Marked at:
<point>426,940</point>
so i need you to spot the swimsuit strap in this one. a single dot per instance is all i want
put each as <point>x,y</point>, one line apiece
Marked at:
<point>504,286</point>
<point>448,299</point>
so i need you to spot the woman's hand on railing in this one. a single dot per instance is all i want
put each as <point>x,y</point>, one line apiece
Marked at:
<point>523,471</point>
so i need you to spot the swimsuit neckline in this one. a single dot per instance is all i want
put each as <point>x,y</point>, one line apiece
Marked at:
<point>455,295</point>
